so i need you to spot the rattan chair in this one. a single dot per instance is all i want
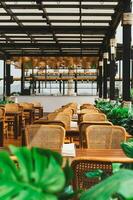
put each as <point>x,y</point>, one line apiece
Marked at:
<point>105,137</point>
<point>82,165</point>
<point>66,110</point>
<point>38,110</point>
<point>65,118</point>
<point>82,130</point>
<point>3,125</point>
<point>94,117</point>
<point>87,106</point>
<point>11,107</point>
<point>51,116</point>
<point>36,104</point>
<point>74,106</point>
<point>49,122</point>
<point>28,110</point>
<point>1,113</point>
<point>27,105</point>
<point>86,111</point>
<point>45,136</point>
<point>69,111</point>
<point>10,118</point>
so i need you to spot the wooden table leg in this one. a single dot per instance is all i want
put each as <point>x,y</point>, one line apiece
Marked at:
<point>1,134</point>
<point>16,126</point>
<point>20,125</point>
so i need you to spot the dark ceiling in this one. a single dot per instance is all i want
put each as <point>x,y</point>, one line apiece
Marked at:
<point>58,28</point>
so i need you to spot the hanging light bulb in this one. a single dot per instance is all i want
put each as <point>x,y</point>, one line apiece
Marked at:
<point>102,2</point>
<point>58,2</point>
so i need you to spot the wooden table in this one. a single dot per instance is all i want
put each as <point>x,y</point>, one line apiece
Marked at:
<point>108,155</point>
<point>1,132</point>
<point>73,131</point>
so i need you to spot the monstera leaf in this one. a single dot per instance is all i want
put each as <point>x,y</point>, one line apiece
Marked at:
<point>128,148</point>
<point>118,185</point>
<point>38,176</point>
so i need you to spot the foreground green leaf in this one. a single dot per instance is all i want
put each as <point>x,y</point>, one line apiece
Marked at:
<point>120,183</point>
<point>39,175</point>
<point>128,148</point>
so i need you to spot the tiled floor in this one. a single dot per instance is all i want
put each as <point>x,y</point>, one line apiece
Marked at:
<point>51,103</point>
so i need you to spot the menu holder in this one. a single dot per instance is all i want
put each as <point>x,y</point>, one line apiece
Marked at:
<point>68,150</point>
<point>73,124</point>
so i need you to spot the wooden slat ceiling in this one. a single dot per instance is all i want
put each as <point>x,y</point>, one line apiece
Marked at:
<point>57,28</point>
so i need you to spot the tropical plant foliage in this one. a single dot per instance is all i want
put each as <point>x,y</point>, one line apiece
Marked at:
<point>131,92</point>
<point>128,148</point>
<point>5,101</point>
<point>39,175</point>
<point>117,114</point>
<point>118,186</point>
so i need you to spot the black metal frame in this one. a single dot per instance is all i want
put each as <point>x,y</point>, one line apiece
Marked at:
<point>92,32</point>
<point>127,54</point>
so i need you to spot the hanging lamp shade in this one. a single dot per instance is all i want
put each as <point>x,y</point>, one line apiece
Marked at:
<point>26,59</point>
<point>42,64</point>
<point>50,62</point>
<point>69,62</point>
<point>58,65</point>
<point>77,61</point>
<point>17,61</point>
<point>35,61</point>
<point>54,62</point>
<point>87,65</point>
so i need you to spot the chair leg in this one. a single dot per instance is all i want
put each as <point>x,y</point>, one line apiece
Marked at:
<point>23,137</point>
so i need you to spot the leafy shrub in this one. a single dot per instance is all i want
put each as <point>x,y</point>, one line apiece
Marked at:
<point>117,114</point>
<point>3,102</point>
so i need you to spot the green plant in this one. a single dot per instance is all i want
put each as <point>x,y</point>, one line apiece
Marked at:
<point>117,114</point>
<point>104,106</point>
<point>128,148</point>
<point>118,186</point>
<point>39,175</point>
<point>98,173</point>
<point>3,102</point>
<point>128,124</point>
<point>131,92</point>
